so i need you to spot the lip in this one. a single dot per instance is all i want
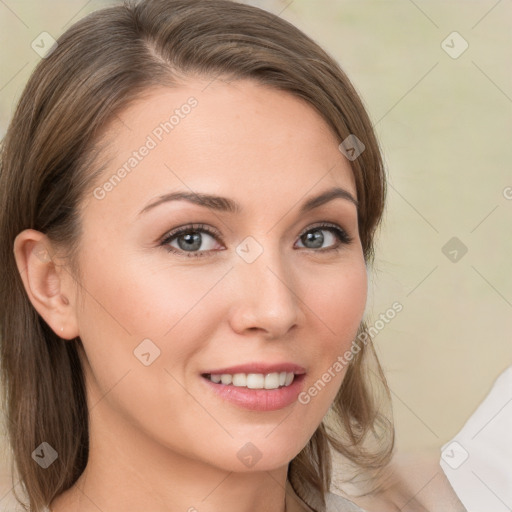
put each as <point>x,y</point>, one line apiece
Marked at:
<point>256,399</point>
<point>259,367</point>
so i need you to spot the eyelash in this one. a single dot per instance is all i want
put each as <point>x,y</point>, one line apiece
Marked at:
<point>341,235</point>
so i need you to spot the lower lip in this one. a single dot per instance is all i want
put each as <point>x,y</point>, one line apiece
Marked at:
<point>258,399</point>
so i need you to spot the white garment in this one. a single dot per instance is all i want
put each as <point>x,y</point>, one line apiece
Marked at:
<point>335,503</point>
<point>478,460</point>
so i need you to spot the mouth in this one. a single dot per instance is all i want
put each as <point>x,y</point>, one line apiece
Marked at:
<point>255,391</point>
<point>268,381</point>
<point>257,386</point>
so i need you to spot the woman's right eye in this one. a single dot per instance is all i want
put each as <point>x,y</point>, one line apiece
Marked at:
<point>189,240</point>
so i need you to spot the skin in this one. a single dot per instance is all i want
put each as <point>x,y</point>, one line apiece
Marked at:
<point>160,440</point>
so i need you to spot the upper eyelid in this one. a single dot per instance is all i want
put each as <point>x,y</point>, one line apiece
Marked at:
<point>191,227</point>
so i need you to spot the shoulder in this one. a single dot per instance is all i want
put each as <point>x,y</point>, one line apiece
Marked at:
<point>336,503</point>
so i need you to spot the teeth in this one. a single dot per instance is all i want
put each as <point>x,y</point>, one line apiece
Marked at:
<point>254,380</point>
<point>272,380</point>
<point>225,378</point>
<point>239,380</point>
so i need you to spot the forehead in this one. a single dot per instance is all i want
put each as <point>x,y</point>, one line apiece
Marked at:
<point>219,137</point>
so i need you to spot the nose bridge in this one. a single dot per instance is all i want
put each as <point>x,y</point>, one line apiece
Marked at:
<point>266,298</point>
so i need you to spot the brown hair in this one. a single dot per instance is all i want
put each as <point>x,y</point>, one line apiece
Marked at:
<point>48,164</point>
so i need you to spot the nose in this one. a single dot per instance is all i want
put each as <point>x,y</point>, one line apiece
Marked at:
<point>264,299</point>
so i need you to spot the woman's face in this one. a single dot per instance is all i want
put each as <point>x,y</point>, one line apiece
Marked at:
<point>261,284</point>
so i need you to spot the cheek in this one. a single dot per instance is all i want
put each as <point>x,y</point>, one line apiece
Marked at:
<point>132,309</point>
<point>130,297</point>
<point>130,301</point>
<point>337,302</point>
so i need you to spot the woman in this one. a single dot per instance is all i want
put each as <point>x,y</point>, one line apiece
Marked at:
<point>190,193</point>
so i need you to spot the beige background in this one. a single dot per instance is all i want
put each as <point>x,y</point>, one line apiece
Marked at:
<point>445,126</point>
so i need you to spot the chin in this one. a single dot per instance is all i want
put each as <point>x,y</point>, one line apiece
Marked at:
<point>260,454</point>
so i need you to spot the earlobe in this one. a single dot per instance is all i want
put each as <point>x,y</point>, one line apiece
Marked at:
<point>46,283</point>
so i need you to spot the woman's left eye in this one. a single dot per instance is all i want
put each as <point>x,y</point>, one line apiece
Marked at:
<point>190,238</point>
<point>315,236</point>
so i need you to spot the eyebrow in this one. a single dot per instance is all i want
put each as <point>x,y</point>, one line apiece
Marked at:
<point>224,204</point>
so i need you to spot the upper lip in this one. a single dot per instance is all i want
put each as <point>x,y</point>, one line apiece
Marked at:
<point>260,368</point>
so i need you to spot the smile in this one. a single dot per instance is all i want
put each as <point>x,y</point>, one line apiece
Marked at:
<point>253,380</point>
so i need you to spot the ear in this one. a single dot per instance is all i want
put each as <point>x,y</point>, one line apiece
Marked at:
<point>50,286</point>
